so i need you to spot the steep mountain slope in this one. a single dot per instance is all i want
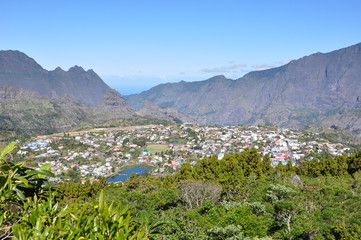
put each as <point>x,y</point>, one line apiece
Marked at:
<point>19,70</point>
<point>310,90</point>
<point>29,112</point>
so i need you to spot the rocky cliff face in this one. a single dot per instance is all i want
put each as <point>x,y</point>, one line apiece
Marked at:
<point>113,106</point>
<point>19,70</point>
<point>312,90</point>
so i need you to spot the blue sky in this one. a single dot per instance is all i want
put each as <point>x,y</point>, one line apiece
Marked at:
<point>134,45</point>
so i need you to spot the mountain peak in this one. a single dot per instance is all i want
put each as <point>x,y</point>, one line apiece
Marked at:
<point>76,68</point>
<point>59,69</point>
<point>218,78</point>
<point>12,61</point>
<point>91,71</point>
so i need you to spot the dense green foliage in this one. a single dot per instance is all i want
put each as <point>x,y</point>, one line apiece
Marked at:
<point>17,184</point>
<point>48,220</point>
<point>256,201</point>
<point>238,197</point>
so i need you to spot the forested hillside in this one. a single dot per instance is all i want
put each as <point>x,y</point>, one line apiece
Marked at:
<point>238,197</point>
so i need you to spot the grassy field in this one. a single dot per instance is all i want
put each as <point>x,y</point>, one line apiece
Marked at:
<point>81,132</point>
<point>157,147</point>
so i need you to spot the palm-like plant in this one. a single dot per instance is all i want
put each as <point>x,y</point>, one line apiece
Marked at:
<point>17,183</point>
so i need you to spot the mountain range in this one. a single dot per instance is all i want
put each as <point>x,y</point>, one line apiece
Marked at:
<point>322,89</point>
<point>34,100</point>
<point>19,70</point>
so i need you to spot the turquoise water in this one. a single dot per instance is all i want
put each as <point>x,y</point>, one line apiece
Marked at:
<point>125,174</point>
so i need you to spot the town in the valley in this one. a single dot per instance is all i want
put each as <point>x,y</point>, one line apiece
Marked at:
<point>104,152</point>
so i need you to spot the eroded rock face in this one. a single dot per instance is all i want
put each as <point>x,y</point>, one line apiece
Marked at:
<point>113,106</point>
<point>309,91</point>
<point>113,99</point>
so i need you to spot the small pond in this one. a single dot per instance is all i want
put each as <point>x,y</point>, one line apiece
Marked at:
<point>125,174</point>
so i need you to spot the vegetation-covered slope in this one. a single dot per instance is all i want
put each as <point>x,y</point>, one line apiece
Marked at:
<point>28,112</point>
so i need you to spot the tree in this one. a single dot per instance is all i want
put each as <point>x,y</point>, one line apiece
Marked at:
<point>195,193</point>
<point>184,173</point>
<point>266,164</point>
<point>285,211</point>
<point>354,163</point>
<point>349,231</point>
<point>279,192</point>
<point>228,232</point>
